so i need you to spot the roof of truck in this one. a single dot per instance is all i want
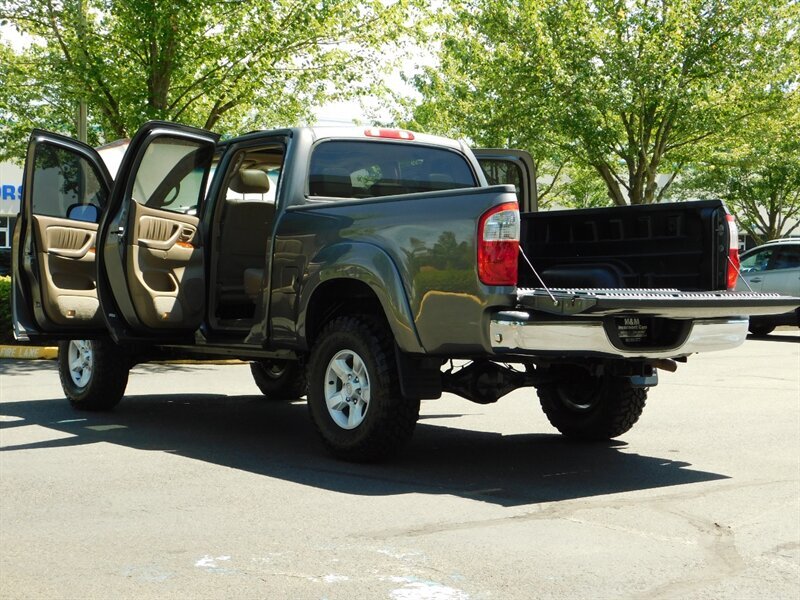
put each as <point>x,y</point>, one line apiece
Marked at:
<point>113,152</point>
<point>359,133</point>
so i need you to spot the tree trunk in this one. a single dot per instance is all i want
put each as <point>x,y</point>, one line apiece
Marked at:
<point>163,46</point>
<point>614,191</point>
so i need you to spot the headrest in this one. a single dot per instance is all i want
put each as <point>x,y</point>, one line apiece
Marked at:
<point>250,181</point>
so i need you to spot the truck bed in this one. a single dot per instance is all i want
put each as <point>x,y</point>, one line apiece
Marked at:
<point>677,246</point>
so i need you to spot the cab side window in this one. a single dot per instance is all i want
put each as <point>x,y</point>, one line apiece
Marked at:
<point>66,185</point>
<point>502,172</point>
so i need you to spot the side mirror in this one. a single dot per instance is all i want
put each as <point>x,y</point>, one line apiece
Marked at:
<point>88,213</point>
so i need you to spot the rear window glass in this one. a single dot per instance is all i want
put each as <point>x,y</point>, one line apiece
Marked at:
<point>362,169</point>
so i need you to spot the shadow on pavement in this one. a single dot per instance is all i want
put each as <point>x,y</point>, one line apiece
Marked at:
<point>775,337</point>
<point>11,366</point>
<point>278,440</point>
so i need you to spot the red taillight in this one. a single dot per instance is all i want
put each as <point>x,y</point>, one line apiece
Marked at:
<point>498,245</point>
<point>392,134</point>
<point>733,252</point>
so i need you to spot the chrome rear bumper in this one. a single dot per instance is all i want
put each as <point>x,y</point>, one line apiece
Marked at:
<point>517,332</point>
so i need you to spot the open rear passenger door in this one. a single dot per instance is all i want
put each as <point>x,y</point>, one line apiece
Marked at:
<point>152,249</point>
<point>513,167</point>
<point>65,193</point>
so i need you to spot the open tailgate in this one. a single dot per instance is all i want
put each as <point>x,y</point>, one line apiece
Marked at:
<point>666,303</point>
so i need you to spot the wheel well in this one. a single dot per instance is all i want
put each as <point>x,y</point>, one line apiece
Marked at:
<point>339,297</point>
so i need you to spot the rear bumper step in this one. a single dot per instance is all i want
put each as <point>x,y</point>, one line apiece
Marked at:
<point>520,333</point>
<point>667,303</point>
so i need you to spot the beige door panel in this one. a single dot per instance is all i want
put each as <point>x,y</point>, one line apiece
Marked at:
<point>70,242</point>
<point>163,234</point>
<point>66,257</point>
<point>165,268</point>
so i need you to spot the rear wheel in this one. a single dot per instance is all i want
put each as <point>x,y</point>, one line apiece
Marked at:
<point>354,394</point>
<point>93,373</point>
<point>587,407</point>
<point>761,330</point>
<point>279,379</point>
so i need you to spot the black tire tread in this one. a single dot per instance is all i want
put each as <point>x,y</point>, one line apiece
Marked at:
<point>761,330</point>
<point>397,416</point>
<point>617,413</point>
<point>109,377</point>
<point>290,386</point>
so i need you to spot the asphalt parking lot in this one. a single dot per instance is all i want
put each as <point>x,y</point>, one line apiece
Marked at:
<point>195,487</point>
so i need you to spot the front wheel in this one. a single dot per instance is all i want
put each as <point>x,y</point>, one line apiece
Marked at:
<point>93,373</point>
<point>588,407</point>
<point>354,394</point>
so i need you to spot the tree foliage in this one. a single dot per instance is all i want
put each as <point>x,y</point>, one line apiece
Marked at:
<point>628,88</point>
<point>483,88</point>
<point>231,65</point>
<point>757,173</point>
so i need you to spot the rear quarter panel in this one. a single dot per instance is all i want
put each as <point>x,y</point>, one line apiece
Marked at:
<point>417,252</point>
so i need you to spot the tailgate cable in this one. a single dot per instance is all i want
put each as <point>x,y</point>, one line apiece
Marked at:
<point>738,273</point>
<point>546,289</point>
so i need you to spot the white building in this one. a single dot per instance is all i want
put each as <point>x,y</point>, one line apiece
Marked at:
<point>10,195</point>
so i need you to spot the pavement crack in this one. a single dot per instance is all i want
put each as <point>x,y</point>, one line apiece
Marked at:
<point>723,558</point>
<point>565,509</point>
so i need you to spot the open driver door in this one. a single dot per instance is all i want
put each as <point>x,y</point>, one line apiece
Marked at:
<point>66,190</point>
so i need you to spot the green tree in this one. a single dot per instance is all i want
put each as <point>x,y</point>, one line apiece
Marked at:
<point>230,66</point>
<point>757,173</point>
<point>629,88</point>
<point>27,102</point>
<point>483,89</point>
<point>579,188</point>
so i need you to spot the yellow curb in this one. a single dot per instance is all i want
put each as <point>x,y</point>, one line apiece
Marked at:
<point>51,353</point>
<point>29,352</point>
<point>190,361</point>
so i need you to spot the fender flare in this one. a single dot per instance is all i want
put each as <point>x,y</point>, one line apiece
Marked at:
<point>374,267</point>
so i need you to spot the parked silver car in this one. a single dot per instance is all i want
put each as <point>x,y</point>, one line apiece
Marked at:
<point>772,267</point>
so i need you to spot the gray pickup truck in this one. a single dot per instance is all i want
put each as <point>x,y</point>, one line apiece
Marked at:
<point>365,269</point>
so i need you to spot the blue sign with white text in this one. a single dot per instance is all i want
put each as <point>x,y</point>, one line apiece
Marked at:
<point>10,199</point>
<point>11,193</point>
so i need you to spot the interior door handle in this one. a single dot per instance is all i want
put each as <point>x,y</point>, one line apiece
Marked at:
<point>162,244</point>
<point>69,252</point>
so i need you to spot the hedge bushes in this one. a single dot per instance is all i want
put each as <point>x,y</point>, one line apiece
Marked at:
<point>6,334</point>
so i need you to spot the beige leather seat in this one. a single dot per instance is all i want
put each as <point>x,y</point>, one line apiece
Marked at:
<point>245,230</point>
<point>250,181</point>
